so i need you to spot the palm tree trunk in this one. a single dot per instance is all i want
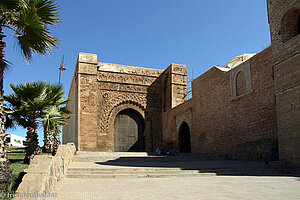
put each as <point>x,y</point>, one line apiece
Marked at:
<point>5,169</point>
<point>32,142</point>
<point>2,115</point>
<point>47,140</point>
<point>56,140</point>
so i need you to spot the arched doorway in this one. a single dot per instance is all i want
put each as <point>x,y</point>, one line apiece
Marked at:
<point>184,138</point>
<point>129,129</point>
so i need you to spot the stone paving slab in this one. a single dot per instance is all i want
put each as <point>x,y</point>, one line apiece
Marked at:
<point>191,188</point>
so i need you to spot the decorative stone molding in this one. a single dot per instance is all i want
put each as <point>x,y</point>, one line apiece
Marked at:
<point>115,100</point>
<point>118,108</point>
<point>120,78</point>
<point>125,69</point>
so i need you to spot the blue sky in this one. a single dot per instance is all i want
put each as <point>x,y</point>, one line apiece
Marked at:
<point>147,33</point>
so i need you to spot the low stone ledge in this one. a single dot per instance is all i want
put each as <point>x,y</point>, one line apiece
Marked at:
<point>44,172</point>
<point>67,151</point>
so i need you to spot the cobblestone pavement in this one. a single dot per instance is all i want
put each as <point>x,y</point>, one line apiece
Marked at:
<point>187,188</point>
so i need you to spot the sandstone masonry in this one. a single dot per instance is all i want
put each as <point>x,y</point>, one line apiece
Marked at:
<point>100,91</point>
<point>284,20</point>
<point>223,122</point>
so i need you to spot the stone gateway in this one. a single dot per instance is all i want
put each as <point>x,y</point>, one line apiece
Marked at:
<point>241,110</point>
<point>119,108</point>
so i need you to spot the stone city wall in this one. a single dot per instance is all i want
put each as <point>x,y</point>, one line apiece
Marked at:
<point>221,121</point>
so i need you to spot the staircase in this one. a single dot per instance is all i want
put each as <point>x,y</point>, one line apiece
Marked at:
<point>95,165</point>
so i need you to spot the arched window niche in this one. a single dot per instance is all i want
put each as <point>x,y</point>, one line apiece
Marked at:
<point>290,25</point>
<point>240,80</point>
<point>241,87</point>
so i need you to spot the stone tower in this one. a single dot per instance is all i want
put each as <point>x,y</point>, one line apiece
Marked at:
<point>284,20</point>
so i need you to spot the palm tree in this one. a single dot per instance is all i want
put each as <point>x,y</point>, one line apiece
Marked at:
<point>29,21</point>
<point>54,116</point>
<point>51,119</point>
<point>56,140</point>
<point>26,105</point>
<point>66,114</point>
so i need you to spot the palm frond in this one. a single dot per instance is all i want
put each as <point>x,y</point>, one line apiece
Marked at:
<point>5,65</point>
<point>65,111</point>
<point>9,123</point>
<point>8,4</point>
<point>52,117</point>
<point>47,10</point>
<point>37,101</point>
<point>9,9</point>
<point>33,36</point>
<point>29,19</point>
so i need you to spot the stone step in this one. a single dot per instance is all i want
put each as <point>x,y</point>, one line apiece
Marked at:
<point>134,172</point>
<point>113,154</point>
<point>91,158</point>
<point>142,165</point>
<point>128,171</point>
<point>146,175</point>
<point>275,164</point>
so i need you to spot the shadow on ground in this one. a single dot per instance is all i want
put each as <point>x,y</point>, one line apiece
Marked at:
<point>217,165</point>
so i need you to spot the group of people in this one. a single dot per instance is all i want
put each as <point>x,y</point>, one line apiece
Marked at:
<point>171,152</point>
<point>272,157</point>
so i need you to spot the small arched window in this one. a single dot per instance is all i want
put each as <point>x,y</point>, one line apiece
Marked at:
<point>290,24</point>
<point>241,85</point>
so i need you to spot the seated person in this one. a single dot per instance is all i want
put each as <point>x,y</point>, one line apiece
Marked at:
<point>273,157</point>
<point>158,152</point>
<point>171,152</point>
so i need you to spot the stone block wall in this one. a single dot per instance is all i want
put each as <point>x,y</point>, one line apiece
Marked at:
<point>284,17</point>
<point>174,82</point>
<point>70,132</point>
<point>172,120</point>
<point>223,122</point>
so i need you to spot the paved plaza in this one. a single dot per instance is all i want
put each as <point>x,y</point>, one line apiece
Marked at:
<point>141,177</point>
<point>188,188</point>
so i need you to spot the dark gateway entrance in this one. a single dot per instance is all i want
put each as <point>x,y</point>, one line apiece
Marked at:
<point>129,129</point>
<point>184,138</point>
